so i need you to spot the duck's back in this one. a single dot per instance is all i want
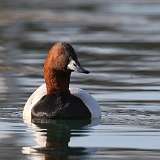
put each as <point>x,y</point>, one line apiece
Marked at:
<point>78,100</point>
<point>60,105</point>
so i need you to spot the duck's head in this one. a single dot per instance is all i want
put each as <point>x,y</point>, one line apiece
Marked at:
<point>60,62</point>
<point>62,57</point>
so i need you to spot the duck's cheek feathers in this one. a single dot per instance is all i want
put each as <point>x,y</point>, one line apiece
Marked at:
<point>75,66</point>
<point>60,63</point>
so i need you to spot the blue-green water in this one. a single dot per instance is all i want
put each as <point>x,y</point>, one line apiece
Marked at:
<point>119,42</point>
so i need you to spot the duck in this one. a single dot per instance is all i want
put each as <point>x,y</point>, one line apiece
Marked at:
<point>56,98</point>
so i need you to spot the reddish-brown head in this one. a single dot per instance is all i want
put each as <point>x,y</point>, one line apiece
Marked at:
<point>59,64</point>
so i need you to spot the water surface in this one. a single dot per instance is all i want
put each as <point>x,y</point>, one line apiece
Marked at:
<point>118,42</point>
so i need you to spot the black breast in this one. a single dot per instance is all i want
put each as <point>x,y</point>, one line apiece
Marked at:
<point>60,106</point>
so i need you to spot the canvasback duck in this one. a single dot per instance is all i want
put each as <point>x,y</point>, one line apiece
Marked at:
<point>55,99</point>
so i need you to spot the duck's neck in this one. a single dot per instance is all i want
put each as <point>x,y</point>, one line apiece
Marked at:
<point>57,81</point>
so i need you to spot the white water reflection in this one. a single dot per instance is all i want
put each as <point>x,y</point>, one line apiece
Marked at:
<point>54,136</point>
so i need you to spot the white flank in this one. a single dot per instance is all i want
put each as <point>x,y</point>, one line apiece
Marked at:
<point>87,99</point>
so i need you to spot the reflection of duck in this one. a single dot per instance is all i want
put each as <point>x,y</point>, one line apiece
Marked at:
<point>55,99</point>
<point>53,137</point>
